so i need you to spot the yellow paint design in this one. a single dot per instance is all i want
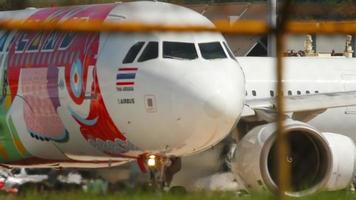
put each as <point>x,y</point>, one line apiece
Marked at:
<point>3,153</point>
<point>7,102</point>
<point>20,147</point>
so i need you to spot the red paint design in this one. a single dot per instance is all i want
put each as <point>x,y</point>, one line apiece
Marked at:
<point>83,46</point>
<point>105,128</point>
<point>76,78</point>
<point>125,83</point>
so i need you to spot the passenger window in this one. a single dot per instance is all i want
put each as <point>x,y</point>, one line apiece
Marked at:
<point>212,50</point>
<point>229,51</point>
<point>298,92</point>
<point>271,93</point>
<point>179,50</point>
<point>150,52</point>
<point>133,52</point>
<point>254,93</point>
<point>290,93</point>
<point>316,92</point>
<point>308,92</point>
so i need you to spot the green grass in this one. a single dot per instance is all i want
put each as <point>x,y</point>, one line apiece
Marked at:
<point>78,195</point>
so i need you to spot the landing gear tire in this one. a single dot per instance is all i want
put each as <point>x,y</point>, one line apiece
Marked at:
<point>162,175</point>
<point>174,167</point>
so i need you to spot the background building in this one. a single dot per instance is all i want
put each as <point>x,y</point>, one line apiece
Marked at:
<point>257,45</point>
<point>234,10</point>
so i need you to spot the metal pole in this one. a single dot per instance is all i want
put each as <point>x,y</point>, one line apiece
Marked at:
<point>282,140</point>
<point>272,21</point>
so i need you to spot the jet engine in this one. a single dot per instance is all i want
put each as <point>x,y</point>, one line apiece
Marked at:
<point>318,161</point>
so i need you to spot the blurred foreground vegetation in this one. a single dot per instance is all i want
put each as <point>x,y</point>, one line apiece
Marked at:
<point>139,195</point>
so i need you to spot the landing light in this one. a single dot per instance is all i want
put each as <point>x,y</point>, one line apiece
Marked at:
<point>151,162</point>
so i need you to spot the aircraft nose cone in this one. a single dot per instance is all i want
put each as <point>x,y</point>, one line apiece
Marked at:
<point>222,93</point>
<point>214,106</point>
<point>210,104</point>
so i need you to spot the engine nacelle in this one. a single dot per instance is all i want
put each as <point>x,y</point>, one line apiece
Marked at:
<point>318,161</point>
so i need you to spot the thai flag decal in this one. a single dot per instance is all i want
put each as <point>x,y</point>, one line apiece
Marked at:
<point>125,79</point>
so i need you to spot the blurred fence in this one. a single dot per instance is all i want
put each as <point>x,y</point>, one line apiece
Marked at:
<point>248,27</point>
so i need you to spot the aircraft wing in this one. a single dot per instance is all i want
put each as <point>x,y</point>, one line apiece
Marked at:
<point>307,104</point>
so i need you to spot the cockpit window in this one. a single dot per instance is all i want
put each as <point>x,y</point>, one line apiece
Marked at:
<point>179,50</point>
<point>150,52</point>
<point>212,50</point>
<point>229,51</point>
<point>133,52</point>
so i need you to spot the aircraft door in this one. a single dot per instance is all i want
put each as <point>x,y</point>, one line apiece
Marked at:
<point>349,81</point>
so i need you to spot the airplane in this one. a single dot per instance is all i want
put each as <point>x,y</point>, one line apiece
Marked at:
<point>91,100</point>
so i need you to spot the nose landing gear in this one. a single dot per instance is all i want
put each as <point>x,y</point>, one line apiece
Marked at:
<point>162,169</point>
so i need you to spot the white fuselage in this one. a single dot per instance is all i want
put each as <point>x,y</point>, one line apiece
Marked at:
<point>90,97</point>
<point>306,75</point>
